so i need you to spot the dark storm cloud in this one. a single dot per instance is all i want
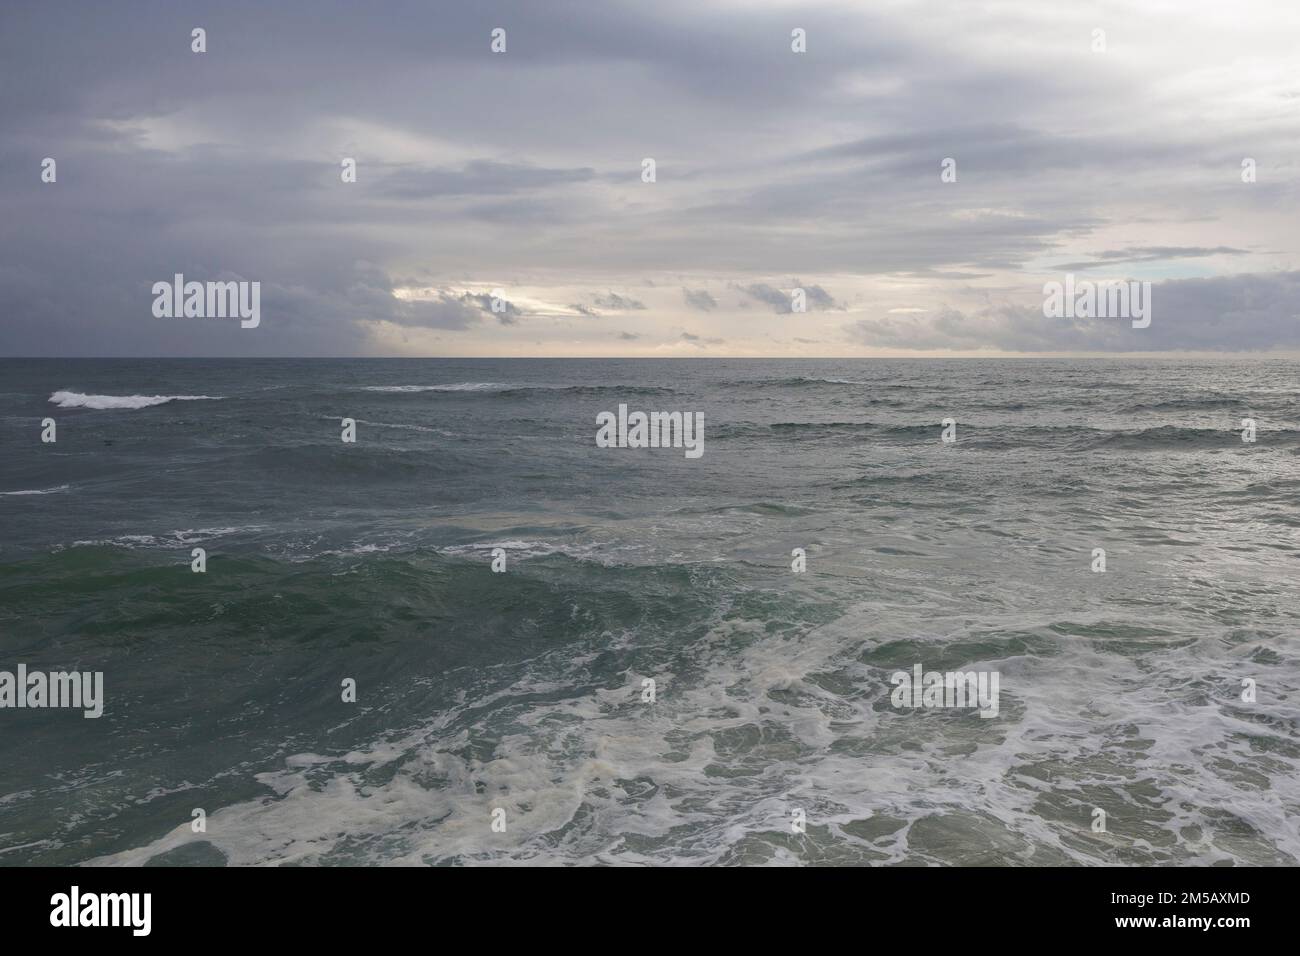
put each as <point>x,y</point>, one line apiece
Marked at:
<point>370,293</point>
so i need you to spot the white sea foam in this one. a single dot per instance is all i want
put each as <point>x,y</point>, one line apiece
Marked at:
<point>176,539</point>
<point>599,744</point>
<point>356,549</point>
<point>37,491</point>
<point>81,400</point>
<point>602,553</point>
<point>747,726</point>
<point>194,535</point>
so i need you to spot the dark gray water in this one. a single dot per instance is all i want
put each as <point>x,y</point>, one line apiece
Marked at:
<point>522,691</point>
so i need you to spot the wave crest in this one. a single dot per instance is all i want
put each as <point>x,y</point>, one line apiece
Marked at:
<point>81,400</point>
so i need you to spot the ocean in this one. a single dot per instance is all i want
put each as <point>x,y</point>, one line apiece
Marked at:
<point>649,680</point>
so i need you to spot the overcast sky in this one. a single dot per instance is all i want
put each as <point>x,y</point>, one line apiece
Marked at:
<point>522,171</point>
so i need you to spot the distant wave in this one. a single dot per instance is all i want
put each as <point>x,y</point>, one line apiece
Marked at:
<point>456,387</point>
<point>805,381</point>
<point>176,539</point>
<point>996,437</point>
<point>519,549</point>
<point>81,400</point>
<point>1187,404</point>
<point>794,381</point>
<point>404,427</point>
<point>799,430</point>
<point>764,508</point>
<point>1170,436</point>
<point>42,491</point>
<point>410,428</point>
<point>501,388</point>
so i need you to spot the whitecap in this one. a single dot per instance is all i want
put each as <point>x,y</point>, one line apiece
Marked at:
<point>36,491</point>
<point>66,399</point>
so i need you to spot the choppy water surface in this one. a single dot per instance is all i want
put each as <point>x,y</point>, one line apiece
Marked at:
<point>522,690</point>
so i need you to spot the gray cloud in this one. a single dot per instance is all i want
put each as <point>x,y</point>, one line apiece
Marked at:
<point>476,169</point>
<point>815,297</point>
<point>1223,314</point>
<point>484,301</point>
<point>700,299</point>
<point>618,303</point>
<point>477,178</point>
<point>701,341</point>
<point>443,312</point>
<point>1116,257</point>
<point>778,300</point>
